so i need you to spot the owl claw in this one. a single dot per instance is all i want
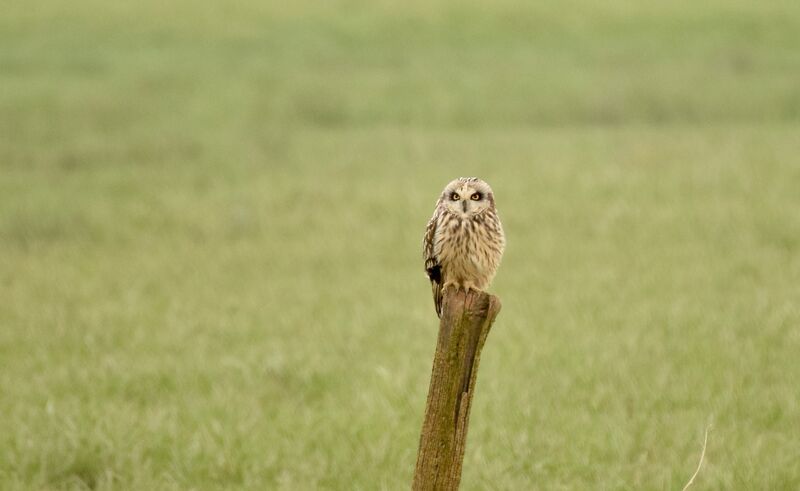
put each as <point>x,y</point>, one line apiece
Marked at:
<point>448,284</point>
<point>469,287</point>
<point>465,287</point>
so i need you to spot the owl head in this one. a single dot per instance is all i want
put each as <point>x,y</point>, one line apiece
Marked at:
<point>467,197</point>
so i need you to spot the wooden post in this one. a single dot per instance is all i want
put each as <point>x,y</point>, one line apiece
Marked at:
<point>465,323</point>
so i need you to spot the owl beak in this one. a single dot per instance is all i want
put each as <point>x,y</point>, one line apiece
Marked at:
<point>464,206</point>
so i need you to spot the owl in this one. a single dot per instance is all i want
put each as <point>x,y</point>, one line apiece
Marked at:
<point>464,240</point>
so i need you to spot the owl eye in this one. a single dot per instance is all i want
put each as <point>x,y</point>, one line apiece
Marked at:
<point>454,197</point>
<point>475,197</point>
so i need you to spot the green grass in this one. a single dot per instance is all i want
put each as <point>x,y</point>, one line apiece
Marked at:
<point>211,221</point>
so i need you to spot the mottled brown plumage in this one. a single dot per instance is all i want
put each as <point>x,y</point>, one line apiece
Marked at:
<point>464,240</point>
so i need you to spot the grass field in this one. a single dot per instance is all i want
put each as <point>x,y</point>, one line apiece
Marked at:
<point>210,233</point>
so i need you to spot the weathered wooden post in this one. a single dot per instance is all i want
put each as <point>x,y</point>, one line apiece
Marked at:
<point>465,323</point>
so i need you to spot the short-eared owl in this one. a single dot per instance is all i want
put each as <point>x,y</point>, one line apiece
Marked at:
<point>464,240</point>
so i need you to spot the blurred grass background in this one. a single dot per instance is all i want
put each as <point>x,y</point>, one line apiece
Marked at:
<point>210,231</point>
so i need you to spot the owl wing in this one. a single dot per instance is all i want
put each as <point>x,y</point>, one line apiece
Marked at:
<point>432,266</point>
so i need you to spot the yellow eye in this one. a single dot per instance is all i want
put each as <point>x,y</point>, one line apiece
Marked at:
<point>454,197</point>
<point>475,197</point>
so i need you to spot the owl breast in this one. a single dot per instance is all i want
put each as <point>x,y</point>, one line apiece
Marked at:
<point>469,250</point>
